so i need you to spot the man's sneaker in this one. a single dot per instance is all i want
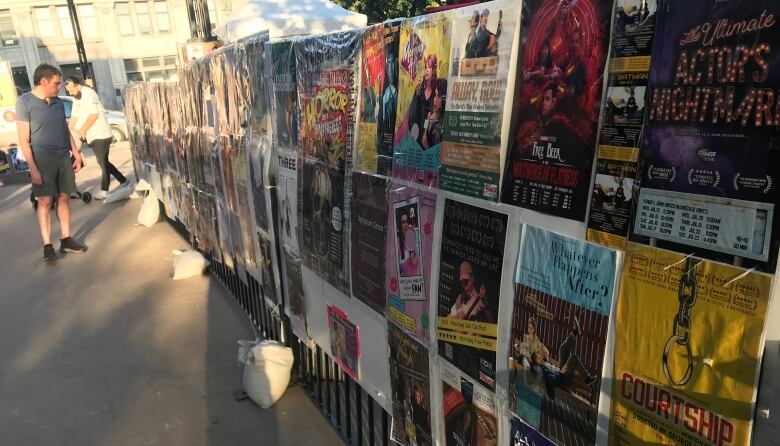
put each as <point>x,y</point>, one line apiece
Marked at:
<point>100,195</point>
<point>69,245</point>
<point>49,254</point>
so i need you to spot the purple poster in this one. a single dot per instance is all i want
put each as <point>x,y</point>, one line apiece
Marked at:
<point>410,219</point>
<point>708,163</point>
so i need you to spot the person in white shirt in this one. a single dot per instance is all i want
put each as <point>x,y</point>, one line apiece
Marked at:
<point>88,123</point>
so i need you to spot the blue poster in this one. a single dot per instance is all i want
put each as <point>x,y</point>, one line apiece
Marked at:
<point>576,271</point>
<point>524,435</point>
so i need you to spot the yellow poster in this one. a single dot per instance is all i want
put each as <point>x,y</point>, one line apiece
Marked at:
<point>687,344</point>
<point>7,89</point>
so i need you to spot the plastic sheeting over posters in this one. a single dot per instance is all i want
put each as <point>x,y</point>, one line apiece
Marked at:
<point>564,55</point>
<point>378,98</point>
<point>471,266</point>
<point>369,227</point>
<point>410,380</point>
<point>687,350</point>
<point>478,104</point>
<point>708,165</point>
<point>326,71</point>
<point>622,122</point>
<point>564,291</point>
<point>423,68</point>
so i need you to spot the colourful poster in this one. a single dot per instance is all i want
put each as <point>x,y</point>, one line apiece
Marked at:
<point>410,221</point>
<point>478,105</point>
<point>283,96</point>
<point>469,410</point>
<point>688,345</point>
<point>410,380</point>
<point>623,114</point>
<point>558,101</point>
<point>369,220</point>
<point>471,266</point>
<point>563,295</point>
<point>424,54</point>
<point>326,70</point>
<point>344,341</point>
<point>707,163</point>
<point>378,98</point>
<point>524,435</point>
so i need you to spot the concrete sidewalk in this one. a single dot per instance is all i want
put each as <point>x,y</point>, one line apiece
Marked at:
<point>103,348</point>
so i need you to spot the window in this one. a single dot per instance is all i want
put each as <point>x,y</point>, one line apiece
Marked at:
<point>44,21</point>
<point>151,69</point>
<point>124,20</point>
<point>143,17</point>
<point>74,69</point>
<point>66,28</point>
<point>21,79</point>
<point>161,11</point>
<point>87,22</point>
<point>212,13</point>
<point>8,35</point>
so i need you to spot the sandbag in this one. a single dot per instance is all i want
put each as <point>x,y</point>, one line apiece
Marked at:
<point>188,264</point>
<point>149,214</point>
<point>119,194</point>
<point>267,372</point>
<point>143,185</point>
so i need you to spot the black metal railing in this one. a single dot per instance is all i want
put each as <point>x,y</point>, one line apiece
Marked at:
<point>358,418</point>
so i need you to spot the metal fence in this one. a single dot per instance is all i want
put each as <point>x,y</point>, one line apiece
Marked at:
<point>358,418</point>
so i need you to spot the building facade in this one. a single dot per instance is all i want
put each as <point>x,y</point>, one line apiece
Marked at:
<point>124,41</point>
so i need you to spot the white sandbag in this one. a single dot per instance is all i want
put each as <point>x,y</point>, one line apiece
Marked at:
<point>149,214</point>
<point>143,185</point>
<point>267,373</point>
<point>188,264</point>
<point>119,194</point>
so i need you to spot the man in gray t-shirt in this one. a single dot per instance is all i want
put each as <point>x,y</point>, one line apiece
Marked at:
<point>47,145</point>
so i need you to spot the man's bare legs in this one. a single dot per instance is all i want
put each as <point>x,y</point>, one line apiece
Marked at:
<point>63,214</point>
<point>44,218</point>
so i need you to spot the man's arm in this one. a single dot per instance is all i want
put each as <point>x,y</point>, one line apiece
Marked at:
<point>76,152</point>
<point>90,120</point>
<point>23,131</point>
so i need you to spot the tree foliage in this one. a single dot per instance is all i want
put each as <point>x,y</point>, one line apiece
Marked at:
<point>381,10</point>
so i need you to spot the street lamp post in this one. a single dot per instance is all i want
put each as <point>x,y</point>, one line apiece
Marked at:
<point>83,62</point>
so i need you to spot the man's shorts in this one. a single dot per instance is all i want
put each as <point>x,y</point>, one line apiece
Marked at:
<point>57,173</point>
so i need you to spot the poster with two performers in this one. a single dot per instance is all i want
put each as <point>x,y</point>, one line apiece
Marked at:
<point>688,345</point>
<point>476,104</point>
<point>708,163</point>
<point>424,53</point>
<point>470,272</point>
<point>378,98</point>
<point>564,290</point>
<point>326,74</point>
<point>565,46</point>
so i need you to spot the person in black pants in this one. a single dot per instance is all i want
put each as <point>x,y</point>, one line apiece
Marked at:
<point>89,123</point>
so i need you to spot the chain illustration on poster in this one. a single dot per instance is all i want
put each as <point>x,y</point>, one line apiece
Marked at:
<point>688,344</point>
